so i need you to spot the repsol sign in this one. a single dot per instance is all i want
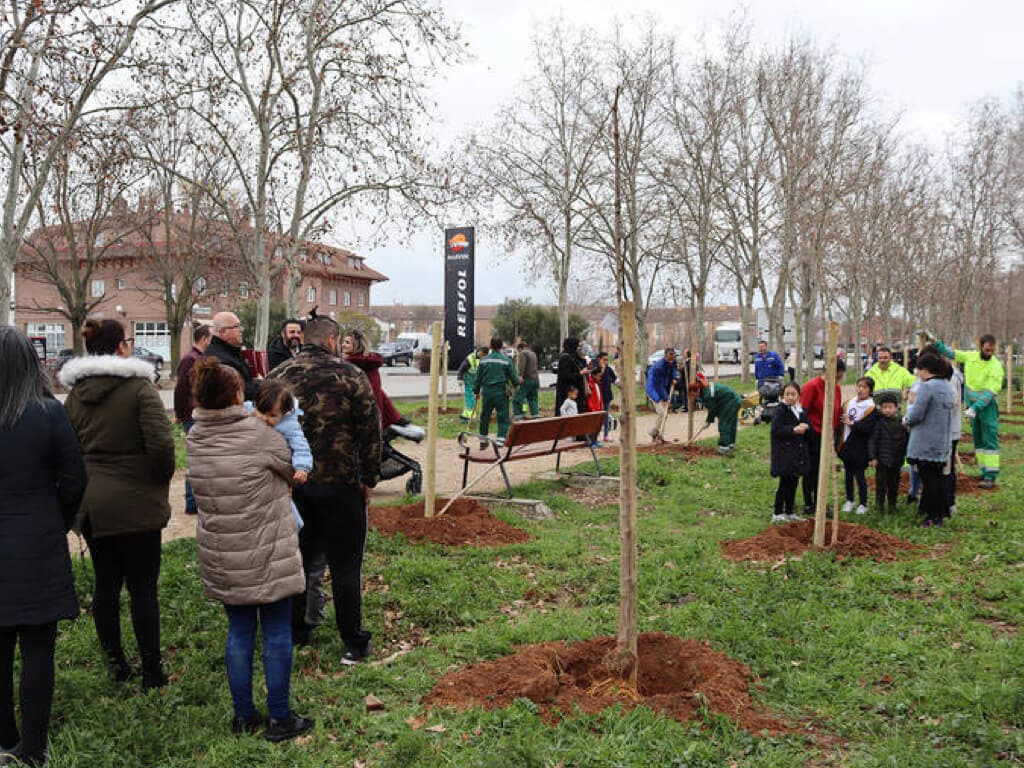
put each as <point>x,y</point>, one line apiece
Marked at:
<point>459,251</point>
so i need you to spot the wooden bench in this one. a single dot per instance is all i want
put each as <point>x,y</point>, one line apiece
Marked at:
<point>530,438</point>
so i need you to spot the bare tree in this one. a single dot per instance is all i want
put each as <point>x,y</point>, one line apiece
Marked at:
<point>318,104</point>
<point>182,233</point>
<point>699,111</point>
<point>53,59</point>
<point>535,162</point>
<point>641,68</point>
<point>83,217</point>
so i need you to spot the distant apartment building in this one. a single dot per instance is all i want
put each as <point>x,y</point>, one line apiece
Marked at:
<point>332,279</point>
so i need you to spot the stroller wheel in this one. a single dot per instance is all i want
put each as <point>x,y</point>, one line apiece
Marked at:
<point>414,484</point>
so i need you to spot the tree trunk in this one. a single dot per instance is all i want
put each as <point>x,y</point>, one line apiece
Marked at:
<point>746,313</point>
<point>7,254</point>
<point>263,308</point>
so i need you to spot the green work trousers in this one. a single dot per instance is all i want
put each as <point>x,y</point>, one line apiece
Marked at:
<point>494,401</point>
<point>727,419</point>
<point>470,403</point>
<point>985,430</point>
<point>526,396</point>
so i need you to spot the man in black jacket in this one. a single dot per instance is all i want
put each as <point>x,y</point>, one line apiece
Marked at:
<point>286,345</point>
<point>227,347</point>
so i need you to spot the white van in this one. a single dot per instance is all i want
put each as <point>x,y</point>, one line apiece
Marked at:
<point>419,342</point>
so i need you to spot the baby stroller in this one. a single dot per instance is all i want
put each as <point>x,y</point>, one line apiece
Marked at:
<point>770,390</point>
<point>394,463</point>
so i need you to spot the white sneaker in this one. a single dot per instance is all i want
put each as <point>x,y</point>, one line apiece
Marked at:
<point>780,518</point>
<point>848,506</point>
<point>952,509</point>
<point>795,518</point>
<point>860,510</point>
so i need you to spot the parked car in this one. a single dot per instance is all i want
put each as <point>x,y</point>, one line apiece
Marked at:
<point>395,353</point>
<point>151,357</point>
<point>62,357</point>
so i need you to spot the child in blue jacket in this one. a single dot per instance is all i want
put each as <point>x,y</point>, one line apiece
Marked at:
<point>277,407</point>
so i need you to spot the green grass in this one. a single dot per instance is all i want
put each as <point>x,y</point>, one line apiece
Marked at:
<point>901,662</point>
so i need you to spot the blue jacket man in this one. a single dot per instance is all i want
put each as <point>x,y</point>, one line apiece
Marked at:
<point>660,377</point>
<point>767,363</point>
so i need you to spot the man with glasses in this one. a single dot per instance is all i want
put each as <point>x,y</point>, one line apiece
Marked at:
<point>227,347</point>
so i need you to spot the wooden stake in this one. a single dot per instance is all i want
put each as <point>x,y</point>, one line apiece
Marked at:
<point>444,379</point>
<point>715,353</point>
<point>1009,378</point>
<point>826,455</point>
<point>691,400</point>
<point>628,575</point>
<point>430,470</point>
<point>626,642</point>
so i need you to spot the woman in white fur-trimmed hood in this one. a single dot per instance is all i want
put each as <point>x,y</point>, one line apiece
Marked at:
<point>128,447</point>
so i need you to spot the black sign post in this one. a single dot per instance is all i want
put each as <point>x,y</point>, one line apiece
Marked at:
<point>459,248</point>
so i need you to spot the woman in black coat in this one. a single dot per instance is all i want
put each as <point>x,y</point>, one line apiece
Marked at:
<point>570,366</point>
<point>790,451</point>
<point>42,479</point>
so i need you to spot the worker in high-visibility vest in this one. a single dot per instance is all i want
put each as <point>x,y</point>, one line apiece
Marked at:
<point>890,377</point>
<point>983,380</point>
<point>467,375</point>
<point>496,374</point>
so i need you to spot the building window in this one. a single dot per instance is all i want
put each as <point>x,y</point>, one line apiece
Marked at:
<point>348,298</point>
<point>199,286</point>
<point>310,294</point>
<point>98,289</point>
<point>154,336</point>
<point>361,297</point>
<point>120,283</point>
<point>225,289</point>
<point>332,297</point>
<point>54,334</point>
<point>408,326</point>
<point>243,290</point>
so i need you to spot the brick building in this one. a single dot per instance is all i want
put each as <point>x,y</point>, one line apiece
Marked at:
<point>331,278</point>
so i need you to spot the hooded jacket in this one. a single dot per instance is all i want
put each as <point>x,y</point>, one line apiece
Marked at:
<point>247,536</point>
<point>127,443</point>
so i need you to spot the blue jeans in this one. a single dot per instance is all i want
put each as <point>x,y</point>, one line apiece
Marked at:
<point>275,619</point>
<point>915,482</point>
<point>190,500</point>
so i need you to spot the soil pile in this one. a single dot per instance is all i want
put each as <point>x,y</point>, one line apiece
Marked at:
<point>466,523</point>
<point>678,678</point>
<point>690,452</point>
<point>793,539</point>
<point>965,484</point>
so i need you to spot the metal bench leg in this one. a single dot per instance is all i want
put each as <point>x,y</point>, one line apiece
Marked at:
<point>597,466</point>
<point>504,474</point>
<point>465,471</point>
<point>558,462</point>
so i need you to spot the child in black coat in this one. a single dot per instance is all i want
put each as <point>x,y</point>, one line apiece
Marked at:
<point>858,422</point>
<point>790,457</point>
<point>887,448</point>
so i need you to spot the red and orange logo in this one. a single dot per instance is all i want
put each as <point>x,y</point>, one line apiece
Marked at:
<point>458,244</point>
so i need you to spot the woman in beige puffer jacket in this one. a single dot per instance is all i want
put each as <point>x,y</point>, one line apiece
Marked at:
<point>248,541</point>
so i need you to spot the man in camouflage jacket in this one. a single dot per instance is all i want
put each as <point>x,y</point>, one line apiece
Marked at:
<point>342,424</point>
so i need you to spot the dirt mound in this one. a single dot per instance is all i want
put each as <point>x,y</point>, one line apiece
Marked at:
<point>678,678</point>
<point>1004,437</point>
<point>466,523</point>
<point>778,542</point>
<point>423,410</point>
<point>965,484</point>
<point>691,452</point>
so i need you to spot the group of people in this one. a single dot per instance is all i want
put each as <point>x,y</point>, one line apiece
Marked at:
<point>490,377</point>
<point>721,403</point>
<point>102,463</point>
<point>871,429</point>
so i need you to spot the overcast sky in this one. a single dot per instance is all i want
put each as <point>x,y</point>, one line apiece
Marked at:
<point>927,59</point>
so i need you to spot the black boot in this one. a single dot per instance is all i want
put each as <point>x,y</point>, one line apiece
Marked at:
<point>120,669</point>
<point>153,674</point>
